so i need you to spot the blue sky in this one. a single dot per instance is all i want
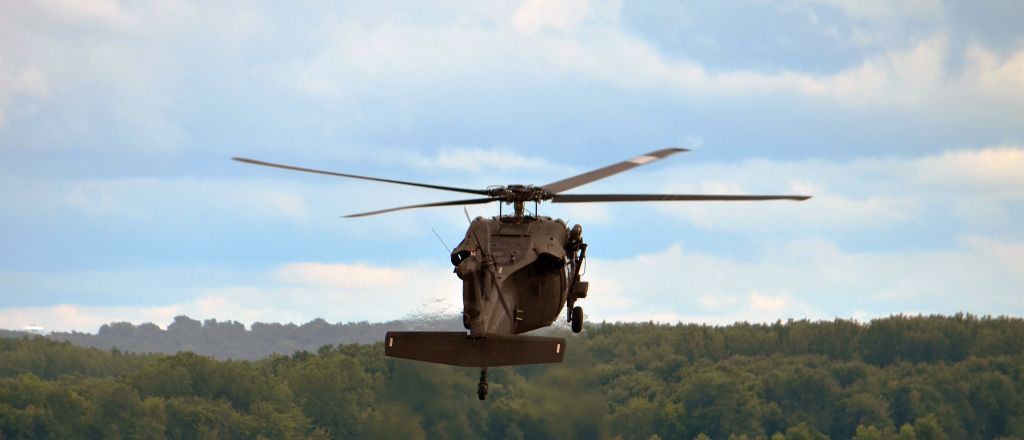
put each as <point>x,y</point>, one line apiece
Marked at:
<point>905,120</point>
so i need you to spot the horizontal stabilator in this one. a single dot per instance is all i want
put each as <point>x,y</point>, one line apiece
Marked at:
<point>461,350</point>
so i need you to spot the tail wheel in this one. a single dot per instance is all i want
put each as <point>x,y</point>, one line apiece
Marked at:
<point>577,319</point>
<point>481,388</point>
<point>481,391</point>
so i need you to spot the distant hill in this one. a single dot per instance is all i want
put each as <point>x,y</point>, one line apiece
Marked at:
<point>231,340</point>
<point>952,338</point>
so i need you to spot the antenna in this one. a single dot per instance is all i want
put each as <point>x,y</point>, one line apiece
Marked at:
<point>442,241</point>
<point>478,245</point>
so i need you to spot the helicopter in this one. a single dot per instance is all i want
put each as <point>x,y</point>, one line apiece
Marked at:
<point>518,271</point>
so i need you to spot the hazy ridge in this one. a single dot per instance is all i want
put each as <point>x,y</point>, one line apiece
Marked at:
<point>232,340</point>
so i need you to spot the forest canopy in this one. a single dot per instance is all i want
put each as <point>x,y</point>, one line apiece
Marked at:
<point>899,377</point>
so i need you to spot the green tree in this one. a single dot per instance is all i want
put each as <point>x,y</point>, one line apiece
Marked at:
<point>869,433</point>
<point>804,431</point>
<point>928,428</point>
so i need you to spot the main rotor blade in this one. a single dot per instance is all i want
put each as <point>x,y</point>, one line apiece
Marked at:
<point>585,198</point>
<point>425,205</point>
<point>601,173</point>
<point>377,179</point>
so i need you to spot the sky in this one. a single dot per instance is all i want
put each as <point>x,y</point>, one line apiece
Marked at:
<point>904,120</point>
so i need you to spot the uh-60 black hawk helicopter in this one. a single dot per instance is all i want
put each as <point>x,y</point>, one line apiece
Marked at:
<point>518,270</point>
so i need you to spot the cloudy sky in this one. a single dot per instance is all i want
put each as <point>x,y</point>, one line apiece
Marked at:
<point>904,119</point>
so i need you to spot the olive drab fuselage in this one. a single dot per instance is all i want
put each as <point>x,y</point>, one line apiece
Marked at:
<point>520,281</point>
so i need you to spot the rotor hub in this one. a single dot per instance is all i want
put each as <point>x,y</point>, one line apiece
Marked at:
<point>519,193</point>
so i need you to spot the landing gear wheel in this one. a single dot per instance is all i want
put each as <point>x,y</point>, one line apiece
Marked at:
<point>577,319</point>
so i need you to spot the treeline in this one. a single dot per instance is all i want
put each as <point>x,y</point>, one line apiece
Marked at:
<point>885,341</point>
<point>231,340</point>
<point>958,377</point>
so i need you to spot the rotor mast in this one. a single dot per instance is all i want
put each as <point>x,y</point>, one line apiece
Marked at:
<point>519,210</point>
<point>518,195</point>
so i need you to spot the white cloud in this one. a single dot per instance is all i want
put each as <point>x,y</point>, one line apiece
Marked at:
<point>882,10</point>
<point>825,211</point>
<point>533,16</point>
<point>996,169</point>
<point>588,213</point>
<point>108,66</point>
<point>477,160</point>
<point>75,71</point>
<point>803,278</point>
<point>1000,77</point>
<point>346,276</point>
<point>94,203</point>
<point>151,197</point>
<point>807,279</point>
<point>912,77</point>
<point>904,76</point>
<point>134,62</point>
<point>108,13</point>
<point>294,292</point>
<point>29,82</point>
<point>68,317</point>
<point>768,304</point>
<point>279,196</point>
<point>1010,256</point>
<point>977,185</point>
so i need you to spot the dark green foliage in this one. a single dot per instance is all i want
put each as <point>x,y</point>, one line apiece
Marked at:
<point>50,360</point>
<point>922,378</point>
